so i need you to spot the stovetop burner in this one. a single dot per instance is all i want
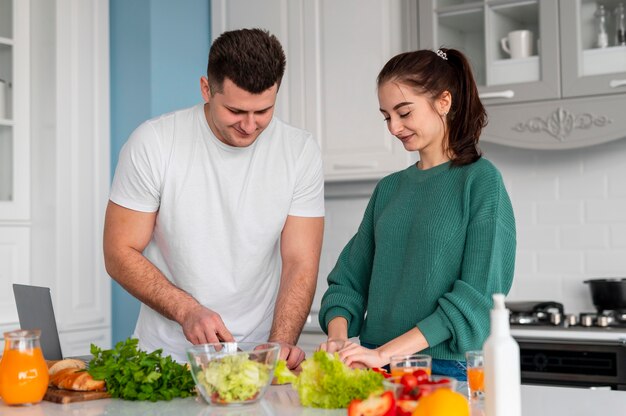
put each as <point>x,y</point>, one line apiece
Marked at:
<point>544,313</point>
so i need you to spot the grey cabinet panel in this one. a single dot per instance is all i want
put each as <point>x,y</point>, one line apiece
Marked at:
<point>558,124</point>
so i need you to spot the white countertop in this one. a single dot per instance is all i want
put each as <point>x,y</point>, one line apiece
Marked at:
<point>283,401</point>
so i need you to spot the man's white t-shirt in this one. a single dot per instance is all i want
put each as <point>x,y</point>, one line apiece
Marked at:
<point>221,210</point>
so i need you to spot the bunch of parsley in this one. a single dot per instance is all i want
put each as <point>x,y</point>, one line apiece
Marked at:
<point>132,374</point>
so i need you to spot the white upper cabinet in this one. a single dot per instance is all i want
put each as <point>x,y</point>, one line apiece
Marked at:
<point>335,50</point>
<point>14,111</point>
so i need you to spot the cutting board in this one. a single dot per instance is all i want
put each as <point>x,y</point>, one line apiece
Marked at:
<point>66,396</point>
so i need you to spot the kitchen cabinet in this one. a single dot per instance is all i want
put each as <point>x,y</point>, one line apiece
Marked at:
<point>476,28</point>
<point>588,69</point>
<point>14,268</point>
<point>14,114</point>
<point>51,234</point>
<point>567,93</point>
<point>14,154</point>
<point>334,53</point>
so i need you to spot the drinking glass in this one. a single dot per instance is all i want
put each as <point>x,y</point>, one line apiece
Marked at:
<point>403,364</point>
<point>475,374</point>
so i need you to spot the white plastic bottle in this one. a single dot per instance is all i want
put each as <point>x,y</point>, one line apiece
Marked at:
<point>502,365</point>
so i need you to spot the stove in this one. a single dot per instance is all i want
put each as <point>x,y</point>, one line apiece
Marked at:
<point>577,350</point>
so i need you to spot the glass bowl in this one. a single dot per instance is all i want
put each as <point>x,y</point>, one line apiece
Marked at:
<point>233,373</point>
<point>408,402</point>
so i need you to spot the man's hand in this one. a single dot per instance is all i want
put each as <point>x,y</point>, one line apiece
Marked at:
<point>292,354</point>
<point>202,325</point>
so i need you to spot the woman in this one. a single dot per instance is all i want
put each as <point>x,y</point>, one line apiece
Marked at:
<point>437,239</point>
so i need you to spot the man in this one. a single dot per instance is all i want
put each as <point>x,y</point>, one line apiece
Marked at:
<point>215,217</point>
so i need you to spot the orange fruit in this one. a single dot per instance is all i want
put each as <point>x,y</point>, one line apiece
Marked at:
<point>442,402</point>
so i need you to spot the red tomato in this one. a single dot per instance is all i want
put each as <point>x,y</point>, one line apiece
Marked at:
<point>421,376</point>
<point>409,383</point>
<point>381,405</point>
<point>442,381</point>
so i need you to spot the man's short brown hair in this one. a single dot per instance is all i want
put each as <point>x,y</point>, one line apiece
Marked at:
<point>251,58</point>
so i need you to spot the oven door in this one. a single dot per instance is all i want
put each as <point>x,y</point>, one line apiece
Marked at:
<point>573,363</point>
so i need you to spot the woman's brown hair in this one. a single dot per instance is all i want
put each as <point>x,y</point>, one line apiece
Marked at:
<point>433,73</point>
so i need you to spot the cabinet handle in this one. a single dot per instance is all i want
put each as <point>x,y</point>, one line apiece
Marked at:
<point>617,83</point>
<point>497,94</point>
<point>356,166</point>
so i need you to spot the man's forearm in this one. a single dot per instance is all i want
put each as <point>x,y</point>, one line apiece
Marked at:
<point>143,280</point>
<point>293,304</point>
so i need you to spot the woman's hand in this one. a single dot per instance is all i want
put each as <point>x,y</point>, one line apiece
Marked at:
<point>332,345</point>
<point>356,356</point>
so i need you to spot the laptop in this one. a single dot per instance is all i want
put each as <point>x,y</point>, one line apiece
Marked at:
<point>35,311</point>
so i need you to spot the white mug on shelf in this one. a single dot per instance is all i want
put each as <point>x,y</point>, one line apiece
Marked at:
<point>518,44</point>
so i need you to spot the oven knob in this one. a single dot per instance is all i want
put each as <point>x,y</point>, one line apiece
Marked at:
<point>604,320</point>
<point>571,319</point>
<point>556,318</point>
<point>586,320</point>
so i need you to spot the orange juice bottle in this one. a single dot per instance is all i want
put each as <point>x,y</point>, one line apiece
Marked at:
<point>23,370</point>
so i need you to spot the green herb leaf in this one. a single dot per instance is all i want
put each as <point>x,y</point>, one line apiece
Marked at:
<point>133,374</point>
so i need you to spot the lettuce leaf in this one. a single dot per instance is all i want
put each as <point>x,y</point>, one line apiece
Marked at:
<point>326,382</point>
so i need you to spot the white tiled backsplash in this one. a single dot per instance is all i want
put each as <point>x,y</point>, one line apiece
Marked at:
<point>570,209</point>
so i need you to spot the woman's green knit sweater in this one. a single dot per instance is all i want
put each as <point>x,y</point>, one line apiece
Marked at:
<point>432,248</point>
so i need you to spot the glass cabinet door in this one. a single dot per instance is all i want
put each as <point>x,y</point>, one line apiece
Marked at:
<point>512,45</point>
<point>594,47</point>
<point>14,128</point>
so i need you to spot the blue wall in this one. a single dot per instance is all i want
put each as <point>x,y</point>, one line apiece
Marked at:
<point>159,51</point>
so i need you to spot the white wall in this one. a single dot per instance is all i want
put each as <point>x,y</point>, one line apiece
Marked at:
<point>570,209</point>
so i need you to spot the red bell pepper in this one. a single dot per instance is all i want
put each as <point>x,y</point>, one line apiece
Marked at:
<point>375,405</point>
<point>381,371</point>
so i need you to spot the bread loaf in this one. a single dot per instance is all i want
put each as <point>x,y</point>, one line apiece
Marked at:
<point>75,379</point>
<point>56,366</point>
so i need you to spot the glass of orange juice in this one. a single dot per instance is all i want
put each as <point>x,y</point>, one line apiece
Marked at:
<point>23,370</point>
<point>403,364</point>
<point>475,374</point>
